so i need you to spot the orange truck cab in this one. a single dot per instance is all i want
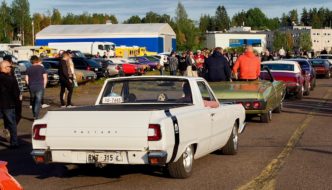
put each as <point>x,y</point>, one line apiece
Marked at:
<point>7,182</point>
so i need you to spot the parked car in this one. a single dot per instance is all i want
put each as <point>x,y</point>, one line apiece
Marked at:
<point>261,97</point>
<point>154,120</point>
<point>89,65</point>
<point>322,67</point>
<point>23,65</point>
<point>121,67</point>
<point>305,65</point>
<point>325,56</point>
<point>144,60</point>
<point>297,80</point>
<point>7,182</point>
<point>52,73</point>
<point>82,76</point>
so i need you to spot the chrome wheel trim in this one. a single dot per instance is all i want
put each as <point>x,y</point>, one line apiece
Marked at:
<point>235,137</point>
<point>188,157</point>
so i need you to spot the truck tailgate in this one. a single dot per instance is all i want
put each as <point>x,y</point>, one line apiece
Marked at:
<point>97,130</point>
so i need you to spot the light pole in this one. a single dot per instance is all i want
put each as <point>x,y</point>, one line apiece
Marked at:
<point>33,33</point>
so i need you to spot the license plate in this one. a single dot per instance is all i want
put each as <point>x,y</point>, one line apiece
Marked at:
<point>105,157</point>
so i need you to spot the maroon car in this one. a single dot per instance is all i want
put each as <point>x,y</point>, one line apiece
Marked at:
<point>322,67</point>
<point>297,80</point>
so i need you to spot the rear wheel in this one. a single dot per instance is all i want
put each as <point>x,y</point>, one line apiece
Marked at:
<point>183,167</point>
<point>232,144</point>
<point>307,90</point>
<point>266,117</point>
<point>299,94</point>
<point>278,109</point>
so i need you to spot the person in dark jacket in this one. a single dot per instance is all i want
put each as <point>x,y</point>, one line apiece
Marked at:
<point>182,63</point>
<point>267,56</point>
<point>9,96</point>
<point>173,64</point>
<point>217,67</point>
<point>66,80</point>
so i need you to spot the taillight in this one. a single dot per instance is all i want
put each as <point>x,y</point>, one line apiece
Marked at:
<point>247,105</point>
<point>154,132</point>
<point>88,68</point>
<point>38,132</point>
<point>118,68</point>
<point>256,105</point>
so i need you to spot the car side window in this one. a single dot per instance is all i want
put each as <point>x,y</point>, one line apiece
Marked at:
<point>205,92</point>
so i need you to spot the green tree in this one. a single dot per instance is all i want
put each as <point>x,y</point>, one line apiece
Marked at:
<point>305,41</point>
<point>222,20</point>
<point>21,20</point>
<point>151,17</point>
<point>279,40</point>
<point>289,45</point>
<point>256,19</point>
<point>5,23</point>
<point>206,23</point>
<point>56,17</point>
<point>133,20</point>
<point>293,17</point>
<point>239,19</point>
<point>305,17</point>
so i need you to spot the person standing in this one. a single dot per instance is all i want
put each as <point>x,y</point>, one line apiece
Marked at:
<point>267,56</point>
<point>217,67</point>
<point>36,79</point>
<point>9,96</point>
<point>17,73</point>
<point>182,63</point>
<point>173,64</point>
<point>66,79</point>
<point>191,65</point>
<point>248,64</point>
<point>200,59</point>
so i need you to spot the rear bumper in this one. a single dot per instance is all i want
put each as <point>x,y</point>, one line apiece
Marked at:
<point>80,157</point>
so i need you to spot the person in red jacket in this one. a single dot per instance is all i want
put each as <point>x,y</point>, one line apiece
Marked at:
<point>248,66</point>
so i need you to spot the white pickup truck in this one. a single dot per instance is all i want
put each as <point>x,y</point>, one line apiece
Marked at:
<point>156,120</point>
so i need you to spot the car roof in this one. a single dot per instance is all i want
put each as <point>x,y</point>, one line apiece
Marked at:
<point>158,77</point>
<point>280,62</point>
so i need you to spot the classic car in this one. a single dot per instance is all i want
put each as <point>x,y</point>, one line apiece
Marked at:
<point>322,67</point>
<point>261,97</point>
<point>325,56</point>
<point>155,120</point>
<point>297,80</point>
<point>52,73</point>
<point>7,182</point>
<point>122,67</point>
<point>89,65</point>
<point>144,60</point>
<point>83,76</point>
<point>306,66</point>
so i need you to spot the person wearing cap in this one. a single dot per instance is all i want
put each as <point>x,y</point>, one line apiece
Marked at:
<point>9,96</point>
<point>248,66</point>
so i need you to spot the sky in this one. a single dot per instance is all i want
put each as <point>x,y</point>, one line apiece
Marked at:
<point>123,9</point>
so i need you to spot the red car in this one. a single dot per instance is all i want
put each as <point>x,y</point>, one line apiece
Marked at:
<point>322,67</point>
<point>7,182</point>
<point>297,80</point>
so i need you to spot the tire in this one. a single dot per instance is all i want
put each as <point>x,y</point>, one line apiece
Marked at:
<point>278,109</point>
<point>232,144</point>
<point>266,117</point>
<point>299,94</point>
<point>328,75</point>
<point>183,167</point>
<point>307,91</point>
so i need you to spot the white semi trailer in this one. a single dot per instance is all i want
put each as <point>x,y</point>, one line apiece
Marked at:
<point>91,48</point>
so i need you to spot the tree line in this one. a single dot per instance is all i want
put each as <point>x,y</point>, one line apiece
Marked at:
<point>16,21</point>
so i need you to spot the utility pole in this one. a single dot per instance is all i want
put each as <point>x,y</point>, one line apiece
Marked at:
<point>33,33</point>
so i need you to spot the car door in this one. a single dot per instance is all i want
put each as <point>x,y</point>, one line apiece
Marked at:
<point>220,122</point>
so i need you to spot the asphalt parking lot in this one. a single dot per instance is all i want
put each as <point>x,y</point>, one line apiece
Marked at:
<point>292,152</point>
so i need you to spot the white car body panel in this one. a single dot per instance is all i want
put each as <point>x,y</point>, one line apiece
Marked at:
<point>71,135</point>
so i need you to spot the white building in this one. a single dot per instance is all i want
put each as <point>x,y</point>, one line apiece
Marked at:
<point>321,39</point>
<point>236,39</point>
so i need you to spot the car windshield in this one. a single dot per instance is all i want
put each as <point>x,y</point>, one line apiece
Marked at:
<point>325,57</point>
<point>147,91</point>
<point>46,65</point>
<point>304,64</point>
<point>92,63</point>
<point>279,67</point>
<point>317,62</point>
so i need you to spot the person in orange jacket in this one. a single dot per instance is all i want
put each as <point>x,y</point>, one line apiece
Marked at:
<point>248,64</point>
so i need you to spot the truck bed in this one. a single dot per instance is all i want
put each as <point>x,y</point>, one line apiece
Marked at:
<point>126,107</point>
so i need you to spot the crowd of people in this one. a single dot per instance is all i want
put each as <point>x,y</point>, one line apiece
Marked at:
<point>11,89</point>
<point>217,65</point>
